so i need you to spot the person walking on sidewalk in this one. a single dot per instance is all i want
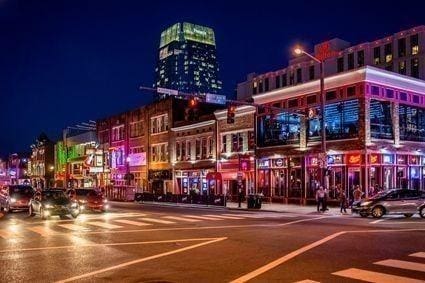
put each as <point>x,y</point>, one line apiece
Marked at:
<point>320,197</point>
<point>343,201</point>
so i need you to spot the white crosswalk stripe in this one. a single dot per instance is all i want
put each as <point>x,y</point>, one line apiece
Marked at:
<point>203,217</point>
<point>42,230</point>
<point>415,266</point>
<point>154,220</point>
<point>132,222</point>
<point>103,225</point>
<point>307,281</point>
<point>182,219</point>
<point>74,227</point>
<point>420,254</point>
<point>223,216</point>
<point>371,276</point>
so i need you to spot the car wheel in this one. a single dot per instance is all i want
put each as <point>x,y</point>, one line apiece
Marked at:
<point>363,214</point>
<point>407,215</point>
<point>30,211</point>
<point>378,212</point>
<point>422,212</point>
<point>42,214</point>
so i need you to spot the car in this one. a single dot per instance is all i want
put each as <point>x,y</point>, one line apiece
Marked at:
<point>15,197</point>
<point>396,201</point>
<point>52,202</point>
<point>89,199</point>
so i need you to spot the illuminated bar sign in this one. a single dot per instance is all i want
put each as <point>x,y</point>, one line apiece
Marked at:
<point>374,159</point>
<point>354,159</point>
<point>324,51</point>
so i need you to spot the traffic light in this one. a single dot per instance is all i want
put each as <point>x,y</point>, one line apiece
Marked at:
<point>193,102</point>
<point>231,114</point>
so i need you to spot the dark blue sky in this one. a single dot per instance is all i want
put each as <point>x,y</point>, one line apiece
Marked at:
<point>68,61</point>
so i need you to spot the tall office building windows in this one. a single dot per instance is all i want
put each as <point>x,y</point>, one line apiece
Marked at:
<point>187,59</point>
<point>414,44</point>
<point>340,64</point>
<point>360,58</point>
<point>388,53</point>
<point>401,47</point>
<point>377,55</point>
<point>350,59</point>
<point>414,68</point>
<point>311,72</point>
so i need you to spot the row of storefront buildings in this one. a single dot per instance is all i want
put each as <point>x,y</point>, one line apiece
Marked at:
<point>374,124</point>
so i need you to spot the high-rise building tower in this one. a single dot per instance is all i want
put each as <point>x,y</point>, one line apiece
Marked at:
<point>187,59</point>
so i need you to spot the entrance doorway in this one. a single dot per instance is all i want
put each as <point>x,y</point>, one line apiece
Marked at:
<point>353,180</point>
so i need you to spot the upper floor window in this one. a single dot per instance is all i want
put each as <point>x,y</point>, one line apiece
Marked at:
<point>136,129</point>
<point>284,80</point>
<point>360,58</point>
<point>277,78</point>
<point>380,119</point>
<point>414,68</point>
<point>159,152</point>
<point>401,47</point>
<point>118,133</point>
<point>311,72</point>
<point>350,60</point>
<point>340,64</point>
<point>414,44</point>
<point>280,129</point>
<point>266,84</point>
<point>159,124</point>
<point>412,123</point>
<point>299,75</point>
<point>377,55</point>
<point>402,67</point>
<point>388,52</point>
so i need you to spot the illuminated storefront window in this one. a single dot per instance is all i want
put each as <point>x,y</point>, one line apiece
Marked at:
<point>279,130</point>
<point>412,123</point>
<point>380,120</point>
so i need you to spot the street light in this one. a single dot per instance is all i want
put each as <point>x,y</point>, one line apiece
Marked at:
<point>299,51</point>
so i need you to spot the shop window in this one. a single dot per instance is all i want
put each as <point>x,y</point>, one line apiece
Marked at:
<point>330,95</point>
<point>311,99</point>
<point>281,129</point>
<point>412,123</point>
<point>380,119</point>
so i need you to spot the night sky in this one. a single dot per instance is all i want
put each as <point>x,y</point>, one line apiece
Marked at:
<point>63,62</point>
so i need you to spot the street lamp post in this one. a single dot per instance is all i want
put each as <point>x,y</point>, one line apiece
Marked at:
<point>323,160</point>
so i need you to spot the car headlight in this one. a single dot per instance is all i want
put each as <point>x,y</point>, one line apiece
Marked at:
<point>12,200</point>
<point>74,205</point>
<point>83,201</point>
<point>105,200</point>
<point>48,206</point>
<point>366,203</point>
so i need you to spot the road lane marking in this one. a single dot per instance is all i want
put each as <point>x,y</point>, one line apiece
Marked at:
<point>377,221</point>
<point>141,260</point>
<point>203,217</point>
<point>6,234</point>
<point>223,216</point>
<point>403,222</point>
<point>415,266</point>
<point>91,244</point>
<point>285,258</point>
<point>307,281</point>
<point>181,219</point>
<point>371,276</point>
<point>131,222</point>
<point>420,254</point>
<point>154,220</point>
<point>103,225</point>
<point>74,227</point>
<point>42,230</point>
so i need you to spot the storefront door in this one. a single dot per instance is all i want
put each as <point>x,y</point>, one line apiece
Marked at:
<point>353,180</point>
<point>279,182</point>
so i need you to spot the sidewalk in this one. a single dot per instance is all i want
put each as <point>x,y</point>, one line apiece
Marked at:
<point>266,207</point>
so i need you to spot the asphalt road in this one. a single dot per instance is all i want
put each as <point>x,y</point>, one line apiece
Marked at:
<point>140,243</point>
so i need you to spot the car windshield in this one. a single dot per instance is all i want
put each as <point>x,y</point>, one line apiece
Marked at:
<point>82,192</point>
<point>21,190</point>
<point>93,193</point>
<point>53,195</point>
<point>380,195</point>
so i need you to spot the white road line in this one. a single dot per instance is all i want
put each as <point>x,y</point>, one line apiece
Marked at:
<point>377,221</point>
<point>74,227</point>
<point>285,258</point>
<point>370,276</point>
<point>154,220</point>
<point>307,281</point>
<point>131,222</point>
<point>403,222</point>
<point>415,266</point>
<point>203,217</point>
<point>5,234</point>
<point>181,219</point>
<point>103,225</point>
<point>140,260</point>
<point>91,244</point>
<point>224,216</point>
<point>42,230</point>
<point>420,254</point>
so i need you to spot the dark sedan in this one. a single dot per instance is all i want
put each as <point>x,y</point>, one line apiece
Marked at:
<point>53,202</point>
<point>15,197</point>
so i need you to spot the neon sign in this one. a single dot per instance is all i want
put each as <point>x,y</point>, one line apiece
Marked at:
<point>324,51</point>
<point>354,159</point>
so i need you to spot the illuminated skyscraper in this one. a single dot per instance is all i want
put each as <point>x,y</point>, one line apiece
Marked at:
<point>187,59</point>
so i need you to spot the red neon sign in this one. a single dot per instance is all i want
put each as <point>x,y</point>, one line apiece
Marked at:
<point>324,51</point>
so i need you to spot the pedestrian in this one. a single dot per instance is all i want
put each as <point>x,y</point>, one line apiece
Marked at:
<point>357,194</point>
<point>320,196</point>
<point>325,200</point>
<point>343,201</point>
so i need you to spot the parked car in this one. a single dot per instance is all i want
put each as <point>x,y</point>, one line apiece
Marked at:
<point>397,201</point>
<point>53,202</point>
<point>15,197</point>
<point>89,199</point>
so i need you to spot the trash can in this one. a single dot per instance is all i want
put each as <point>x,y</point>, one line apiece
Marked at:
<point>251,201</point>
<point>258,201</point>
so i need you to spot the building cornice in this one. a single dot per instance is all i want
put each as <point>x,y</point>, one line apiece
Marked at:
<point>191,126</point>
<point>240,111</point>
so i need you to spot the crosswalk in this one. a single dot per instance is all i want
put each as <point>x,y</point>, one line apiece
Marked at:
<point>116,221</point>
<point>391,266</point>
